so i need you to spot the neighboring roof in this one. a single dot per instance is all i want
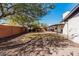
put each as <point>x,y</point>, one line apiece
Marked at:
<point>57,24</point>
<point>73,12</point>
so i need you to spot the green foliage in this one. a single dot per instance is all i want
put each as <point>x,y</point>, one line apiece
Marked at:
<point>24,13</point>
<point>35,24</point>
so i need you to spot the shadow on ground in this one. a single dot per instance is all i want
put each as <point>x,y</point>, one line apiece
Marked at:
<point>5,39</point>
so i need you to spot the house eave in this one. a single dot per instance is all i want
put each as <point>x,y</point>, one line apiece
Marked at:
<point>73,12</point>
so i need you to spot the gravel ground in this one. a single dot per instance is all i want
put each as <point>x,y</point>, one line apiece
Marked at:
<point>44,44</point>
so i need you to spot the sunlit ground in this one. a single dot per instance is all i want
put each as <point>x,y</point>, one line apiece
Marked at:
<point>39,44</point>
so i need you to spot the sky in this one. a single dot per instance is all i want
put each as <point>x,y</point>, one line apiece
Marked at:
<point>55,15</point>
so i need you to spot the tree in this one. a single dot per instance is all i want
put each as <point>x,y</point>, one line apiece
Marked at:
<point>24,13</point>
<point>45,26</point>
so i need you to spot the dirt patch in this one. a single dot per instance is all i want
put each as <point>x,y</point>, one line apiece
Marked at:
<point>39,44</point>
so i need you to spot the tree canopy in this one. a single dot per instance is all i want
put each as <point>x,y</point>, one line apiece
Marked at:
<point>24,13</point>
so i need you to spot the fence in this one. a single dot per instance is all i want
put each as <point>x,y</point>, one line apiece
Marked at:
<point>6,31</point>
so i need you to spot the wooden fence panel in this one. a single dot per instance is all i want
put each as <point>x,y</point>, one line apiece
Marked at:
<point>6,31</point>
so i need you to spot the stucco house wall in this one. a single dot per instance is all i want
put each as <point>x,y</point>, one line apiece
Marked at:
<point>71,28</point>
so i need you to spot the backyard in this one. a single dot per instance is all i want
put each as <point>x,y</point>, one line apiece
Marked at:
<point>39,44</point>
<point>38,29</point>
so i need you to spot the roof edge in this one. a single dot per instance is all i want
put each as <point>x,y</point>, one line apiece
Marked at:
<point>71,12</point>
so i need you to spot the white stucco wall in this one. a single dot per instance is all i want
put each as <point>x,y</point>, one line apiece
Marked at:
<point>71,29</point>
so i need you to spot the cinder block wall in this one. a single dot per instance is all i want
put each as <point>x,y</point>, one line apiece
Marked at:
<point>6,31</point>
